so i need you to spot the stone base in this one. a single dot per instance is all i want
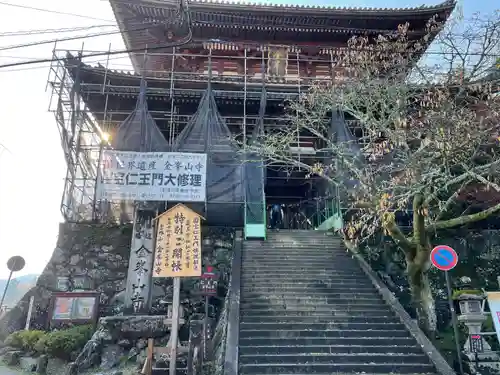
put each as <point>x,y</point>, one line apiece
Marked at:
<point>117,335</point>
<point>485,367</point>
<point>136,326</point>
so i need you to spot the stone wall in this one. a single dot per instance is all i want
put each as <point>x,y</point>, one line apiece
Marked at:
<point>96,252</point>
<point>100,253</point>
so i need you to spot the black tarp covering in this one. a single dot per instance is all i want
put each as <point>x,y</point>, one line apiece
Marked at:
<point>139,133</point>
<point>255,173</point>
<point>349,146</point>
<point>207,132</point>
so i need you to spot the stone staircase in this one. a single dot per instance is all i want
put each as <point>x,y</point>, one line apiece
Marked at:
<point>308,308</point>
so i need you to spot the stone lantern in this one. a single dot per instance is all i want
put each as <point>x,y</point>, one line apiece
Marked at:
<point>473,317</point>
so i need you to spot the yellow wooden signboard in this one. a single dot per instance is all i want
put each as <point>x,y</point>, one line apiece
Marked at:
<point>178,243</point>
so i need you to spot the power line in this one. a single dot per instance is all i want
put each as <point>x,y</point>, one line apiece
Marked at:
<point>183,10</point>
<point>52,41</point>
<point>51,31</point>
<point>53,11</point>
<point>180,43</point>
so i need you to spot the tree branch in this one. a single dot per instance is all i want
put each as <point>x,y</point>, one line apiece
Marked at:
<point>463,220</point>
<point>389,223</point>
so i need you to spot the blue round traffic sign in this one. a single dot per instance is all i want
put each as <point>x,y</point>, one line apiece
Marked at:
<point>444,258</point>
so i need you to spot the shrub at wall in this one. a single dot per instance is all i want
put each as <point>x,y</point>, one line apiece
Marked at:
<point>63,343</point>
<point>25,340</point>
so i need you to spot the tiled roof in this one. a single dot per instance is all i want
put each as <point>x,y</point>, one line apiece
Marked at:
<point>448,4</point>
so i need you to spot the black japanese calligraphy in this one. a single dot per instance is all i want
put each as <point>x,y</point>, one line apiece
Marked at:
<point>169,179</point>
<point>179,218</point>
<point>142,252</point>
<point>183,180</point>
<point>199,167</point>
<point>176,266</point>
<point>177,253</point>
<point>140,267</point>
<point>195,180</point>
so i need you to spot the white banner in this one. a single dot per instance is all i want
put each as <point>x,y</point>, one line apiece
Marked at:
<point>494,303</point>
<point>152,176</point>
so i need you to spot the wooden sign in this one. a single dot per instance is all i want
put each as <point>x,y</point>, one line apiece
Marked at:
<point>178,243</point>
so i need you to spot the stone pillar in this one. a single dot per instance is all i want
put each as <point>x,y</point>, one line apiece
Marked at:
<point>472,315</point>
<point>139,276</point>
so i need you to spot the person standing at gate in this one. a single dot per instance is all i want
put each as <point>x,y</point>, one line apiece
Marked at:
<point>276,216</point>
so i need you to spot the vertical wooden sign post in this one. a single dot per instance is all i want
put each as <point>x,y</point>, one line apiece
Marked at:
<point>177,254</point>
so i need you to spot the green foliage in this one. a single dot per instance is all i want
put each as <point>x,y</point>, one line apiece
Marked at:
<point>25,340</point>
<point>458,293</point>
<point>63,343</point>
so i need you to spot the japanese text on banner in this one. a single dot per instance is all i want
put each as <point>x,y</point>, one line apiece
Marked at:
<point>152,176</point>
<point>178,243</point>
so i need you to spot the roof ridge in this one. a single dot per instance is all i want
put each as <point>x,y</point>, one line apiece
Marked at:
<point>443,5</point>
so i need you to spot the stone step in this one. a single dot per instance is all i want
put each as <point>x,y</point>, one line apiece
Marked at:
<point>307,301</point>
<point>331,358</point>
<point>310,282</point>
<point>317,288</point>
<point>313,293</point>
<point>332,274</point>
<point>320,261</point>
<point>296,251</point>
<point>278,256</point>
<point>278,271</point>
<point>297,267</point>
<point>326,349</point>
<point>345,306</point>
<point>347,373</point>
<point>332,333</point>
<point>319,319</point>
<point>306,265</point>
<point>331,368</point>
<point>303,341</point>
<point>324,312</point>
<point>321,326</point>
<point>275,257</point>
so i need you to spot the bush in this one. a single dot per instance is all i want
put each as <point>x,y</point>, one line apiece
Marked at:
<point>25,340</point>
<point>63,343</point>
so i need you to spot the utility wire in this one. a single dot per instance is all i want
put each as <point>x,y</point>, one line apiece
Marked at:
<point>51,31</point>
<point>52,41</point>
<point>53,11</point>
<point>189,38</point>
<point>183,10</point>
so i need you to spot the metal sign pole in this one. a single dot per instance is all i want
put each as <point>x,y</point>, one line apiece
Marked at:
<point>444,258</point>
<point>454,322</point>
<point>205,329</point>
<point>6,288</point>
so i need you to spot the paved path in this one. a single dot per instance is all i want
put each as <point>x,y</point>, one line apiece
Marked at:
<point>7,371</point>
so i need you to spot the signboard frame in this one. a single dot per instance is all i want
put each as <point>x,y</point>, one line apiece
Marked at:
<point>178,240</point>
<point>152,176</point>
<point>54,322</point>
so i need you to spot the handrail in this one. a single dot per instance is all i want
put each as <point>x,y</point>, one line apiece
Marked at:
<point>233,317</point>
<point>324,208</point>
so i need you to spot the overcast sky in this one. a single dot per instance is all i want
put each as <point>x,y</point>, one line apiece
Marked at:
<point>32,169</point>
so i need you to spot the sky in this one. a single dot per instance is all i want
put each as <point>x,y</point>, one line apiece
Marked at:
<point>32,167</point>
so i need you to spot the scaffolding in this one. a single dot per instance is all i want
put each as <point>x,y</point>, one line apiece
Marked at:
<point>90,99</point>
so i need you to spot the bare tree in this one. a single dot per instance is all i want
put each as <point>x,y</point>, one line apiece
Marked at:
<point>430,136</point>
